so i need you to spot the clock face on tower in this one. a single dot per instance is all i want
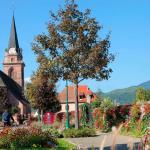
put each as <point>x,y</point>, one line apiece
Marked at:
<point>12,51</point>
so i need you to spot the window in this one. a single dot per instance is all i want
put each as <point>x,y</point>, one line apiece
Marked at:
<point>81,97</point>
<point>11,72</point>
<point>11,60</point>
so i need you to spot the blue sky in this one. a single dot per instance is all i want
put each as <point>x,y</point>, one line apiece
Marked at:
<point>129,21</point>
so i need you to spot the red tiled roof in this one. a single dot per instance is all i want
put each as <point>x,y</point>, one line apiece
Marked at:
<point>83,91</point>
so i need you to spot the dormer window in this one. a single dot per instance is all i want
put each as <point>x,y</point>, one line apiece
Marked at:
<point>81,96</point>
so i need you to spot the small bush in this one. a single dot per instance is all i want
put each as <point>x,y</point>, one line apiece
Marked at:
<point>83,132</point>
<point>52,131</point>
<point>25,138</point>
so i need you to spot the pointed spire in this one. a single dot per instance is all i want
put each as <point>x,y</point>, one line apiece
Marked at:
<point>13,39</point>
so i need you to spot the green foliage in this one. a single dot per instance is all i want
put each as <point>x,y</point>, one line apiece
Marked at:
<point>52,131</point>
<point>106,104</point>
<point>137,126</point>
<point>97,102</point>
<point>29,93</point>
<point>135,112</point>
<point>142,95</point>
<point>122,96</point>
<point>106,127</point>
<point>125,95</point>
<point>86,115</point>
<point>65,145</point>
<point>82,132</point>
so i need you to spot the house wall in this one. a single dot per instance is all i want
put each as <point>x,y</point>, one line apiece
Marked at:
<point>71,107</point>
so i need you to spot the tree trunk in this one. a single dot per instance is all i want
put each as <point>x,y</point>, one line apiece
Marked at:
<point>41,116</point>
<point>76,107</point>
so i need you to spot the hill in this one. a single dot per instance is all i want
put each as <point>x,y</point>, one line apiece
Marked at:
<point>126,95</point>
<point>145,85</point>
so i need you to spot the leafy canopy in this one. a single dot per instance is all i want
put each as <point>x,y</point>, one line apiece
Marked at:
<point>42,93</point>
<point>72,46</point>
<point>142,95</point>
<point>106,104</point>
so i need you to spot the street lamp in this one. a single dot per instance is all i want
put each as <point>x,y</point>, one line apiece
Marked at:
<point>67,107</point>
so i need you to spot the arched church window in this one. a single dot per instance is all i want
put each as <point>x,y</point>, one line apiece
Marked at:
<point>12,60</point>
<point>11,72</point>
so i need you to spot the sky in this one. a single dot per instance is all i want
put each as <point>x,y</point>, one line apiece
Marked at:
<point>128,20</point>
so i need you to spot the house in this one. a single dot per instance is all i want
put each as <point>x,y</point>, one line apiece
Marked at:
<point>12,76</point>
<point>85,95</point>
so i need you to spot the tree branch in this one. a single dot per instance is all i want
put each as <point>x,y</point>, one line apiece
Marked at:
<point>80,80</point>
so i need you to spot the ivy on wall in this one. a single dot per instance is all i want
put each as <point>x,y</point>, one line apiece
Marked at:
<point>86,115</point>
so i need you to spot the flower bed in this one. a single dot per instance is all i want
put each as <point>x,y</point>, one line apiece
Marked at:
<point>26,138</point>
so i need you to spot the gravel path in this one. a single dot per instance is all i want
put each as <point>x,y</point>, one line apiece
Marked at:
<point>122,142</point>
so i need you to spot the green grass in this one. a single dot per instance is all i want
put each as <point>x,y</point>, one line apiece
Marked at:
<point>65,145</point>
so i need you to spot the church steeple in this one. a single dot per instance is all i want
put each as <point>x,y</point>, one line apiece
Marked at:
<point>13,46</point>
<point>13,62</point>
<point>13,40</point>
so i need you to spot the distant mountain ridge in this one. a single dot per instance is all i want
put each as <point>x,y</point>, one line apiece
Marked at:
<point>126,95</point>
<point>145,85</point>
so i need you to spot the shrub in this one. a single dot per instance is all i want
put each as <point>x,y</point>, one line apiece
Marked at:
<point>83,132</point>
<point>25,138</point>
<point>135,112</point>
<point>98,118</point>
<point>52,131</point>
<point>137,126</point>
<point>97,102</point>
<point>86,119</point>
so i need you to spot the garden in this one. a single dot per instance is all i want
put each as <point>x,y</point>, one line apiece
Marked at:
<point>102,115</point>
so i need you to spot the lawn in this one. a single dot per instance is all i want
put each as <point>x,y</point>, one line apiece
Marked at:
<point>65,145</point>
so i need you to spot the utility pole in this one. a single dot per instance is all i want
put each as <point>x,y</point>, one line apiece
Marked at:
<point>67,107</point>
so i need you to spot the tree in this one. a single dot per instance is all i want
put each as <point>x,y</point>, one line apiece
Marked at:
<point>97,102</point>
<point>42,93</point>
<point>106,104</point>
<point>73,47</point>
<point>142,95</point>
<point>46,98</point>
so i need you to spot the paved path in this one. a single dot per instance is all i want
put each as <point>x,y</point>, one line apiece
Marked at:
<point>122,142</point>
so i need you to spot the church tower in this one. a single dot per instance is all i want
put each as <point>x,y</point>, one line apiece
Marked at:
<point>13,64</point>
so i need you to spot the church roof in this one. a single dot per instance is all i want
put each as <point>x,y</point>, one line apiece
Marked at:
<point>12,86</point>
<point>13,39</point>
<point>1,83</point>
